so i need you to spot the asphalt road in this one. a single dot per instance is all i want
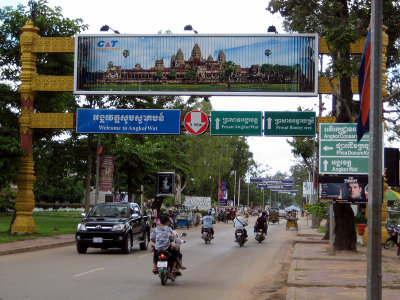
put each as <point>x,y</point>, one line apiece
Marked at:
<point>215,271</point>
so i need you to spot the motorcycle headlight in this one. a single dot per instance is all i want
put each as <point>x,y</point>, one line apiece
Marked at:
<point>81,227</point>
<point>118,227</point>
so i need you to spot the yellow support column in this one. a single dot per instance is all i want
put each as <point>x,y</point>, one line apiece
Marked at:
<point>25,200</point>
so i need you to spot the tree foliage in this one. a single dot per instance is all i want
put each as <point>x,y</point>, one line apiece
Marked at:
<point>341,23</point>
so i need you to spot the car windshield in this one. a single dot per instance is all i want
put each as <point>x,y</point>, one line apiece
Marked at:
<point>109,211</point>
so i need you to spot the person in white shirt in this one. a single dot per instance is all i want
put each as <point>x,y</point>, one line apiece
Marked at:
<point>239,223</point>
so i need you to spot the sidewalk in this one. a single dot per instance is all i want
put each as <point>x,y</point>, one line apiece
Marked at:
<point>37,244</point>
<point>316,273</point>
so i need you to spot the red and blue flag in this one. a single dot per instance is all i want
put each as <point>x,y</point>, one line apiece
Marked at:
<point>364,79</point>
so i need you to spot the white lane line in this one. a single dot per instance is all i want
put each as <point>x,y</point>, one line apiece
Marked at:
<point>90,271</point>
<point>145,255</point>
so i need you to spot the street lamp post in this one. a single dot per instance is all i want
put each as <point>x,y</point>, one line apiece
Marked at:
<point>190,28</point>
<point>106,28</point>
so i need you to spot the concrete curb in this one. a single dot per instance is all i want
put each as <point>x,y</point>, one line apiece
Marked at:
<point>35,248</point>
<point>332,257</point>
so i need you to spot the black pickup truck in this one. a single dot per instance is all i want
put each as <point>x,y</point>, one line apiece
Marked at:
<point>113,225</point>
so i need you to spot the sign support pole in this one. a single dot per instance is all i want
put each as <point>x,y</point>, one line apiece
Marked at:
<point>374,258</point>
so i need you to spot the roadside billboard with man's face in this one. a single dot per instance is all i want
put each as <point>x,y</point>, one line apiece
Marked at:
<point>343,189</point>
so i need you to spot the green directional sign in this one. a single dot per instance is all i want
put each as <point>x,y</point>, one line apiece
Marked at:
<point>339,152</point>
<point>289,123</point>
<point>236,123</point>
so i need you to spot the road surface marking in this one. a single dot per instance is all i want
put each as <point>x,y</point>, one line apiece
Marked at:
<point>91,271</point>
<point>145,255</point>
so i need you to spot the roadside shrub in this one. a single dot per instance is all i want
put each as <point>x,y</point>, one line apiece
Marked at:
<point>7,199</point>
<point>360,219</point>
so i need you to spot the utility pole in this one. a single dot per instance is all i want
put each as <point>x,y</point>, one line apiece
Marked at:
<point>248,193</point>
<point>234,191</point>
<point>374,254</point>
<point>96,195</point>
<point>238,203</point>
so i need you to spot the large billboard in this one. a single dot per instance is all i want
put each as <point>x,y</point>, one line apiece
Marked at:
<point>259,65</point>
<point>343,189</point>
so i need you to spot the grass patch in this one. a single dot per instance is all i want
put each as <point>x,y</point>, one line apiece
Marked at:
<point>391,270</point>
<point>321,229</point>
<point>45,226</point>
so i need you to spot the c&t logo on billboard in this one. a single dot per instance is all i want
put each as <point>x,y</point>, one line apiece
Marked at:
<point>107,45</point>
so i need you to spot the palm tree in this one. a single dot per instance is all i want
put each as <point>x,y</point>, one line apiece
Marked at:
<point>228,70</point>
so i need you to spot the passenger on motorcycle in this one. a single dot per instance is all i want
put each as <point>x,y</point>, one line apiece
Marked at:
<point>177,248</point>
<point>162,238</point>
<point>208,222</point>
<point>239,222</point>
<point>261,223</point>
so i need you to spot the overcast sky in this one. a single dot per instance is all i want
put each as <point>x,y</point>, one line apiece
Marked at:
<point>206,17</point>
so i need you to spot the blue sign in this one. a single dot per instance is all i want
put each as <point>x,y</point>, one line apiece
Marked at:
<point>284,191</point>
<point>133,121</point>
<point>272,181</point>
<point>275,186</point>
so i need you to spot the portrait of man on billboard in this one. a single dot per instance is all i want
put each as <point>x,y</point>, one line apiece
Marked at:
<point>343,189</point>
<point>355,190</point>
<point>165,184</point>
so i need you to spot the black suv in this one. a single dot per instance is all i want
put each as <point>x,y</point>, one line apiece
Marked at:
<point>113,225</point>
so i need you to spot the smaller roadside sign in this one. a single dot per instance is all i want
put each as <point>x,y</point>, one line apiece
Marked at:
<point>284,191</point>
<point>275,186</point>
<point>289,123</point>
<point>272,180</point>
<point>236,123</point>
<point>196,122</point>
<point>339,152</point>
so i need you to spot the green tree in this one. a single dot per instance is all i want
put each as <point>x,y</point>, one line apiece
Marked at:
<point>51,23</point>
<point>191,74</point>
<point>228,71</point>
<point>341,23</point>
<point>172,74</point>
<point>158,75</point>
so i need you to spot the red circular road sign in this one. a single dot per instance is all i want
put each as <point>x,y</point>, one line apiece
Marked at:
<point>196,122</point>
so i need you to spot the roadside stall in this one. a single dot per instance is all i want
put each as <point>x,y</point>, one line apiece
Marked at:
<point>185,216</point>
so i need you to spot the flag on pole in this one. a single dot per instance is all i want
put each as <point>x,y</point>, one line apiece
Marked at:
<point>364,78</point>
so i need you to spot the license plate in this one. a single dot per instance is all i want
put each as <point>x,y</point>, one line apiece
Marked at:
<point>162,264</point>
<point>239,233</point>
<point>97,240</point>
<point>258,233</point>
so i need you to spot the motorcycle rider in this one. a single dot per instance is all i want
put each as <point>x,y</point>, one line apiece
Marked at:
<point>208,222</point>
<point>239,222</point>
<point>162,237</point>
<point>261,223</point>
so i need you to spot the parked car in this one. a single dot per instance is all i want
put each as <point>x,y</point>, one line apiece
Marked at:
<point>113,225</point>
<point>282,213</point>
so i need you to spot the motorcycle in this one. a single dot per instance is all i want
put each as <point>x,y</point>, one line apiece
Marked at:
<point>393,239</point>
<point>207,235</point>
<point>164,267</point>
<point>259,235</point>
<point>239,237</point>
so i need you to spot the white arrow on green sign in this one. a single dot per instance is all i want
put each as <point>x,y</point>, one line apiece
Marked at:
<point>289,123</point>
<point>236,123</point>
<point>339,152</point>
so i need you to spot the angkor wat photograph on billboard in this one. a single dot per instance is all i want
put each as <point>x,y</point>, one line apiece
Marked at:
<point>196,64</point>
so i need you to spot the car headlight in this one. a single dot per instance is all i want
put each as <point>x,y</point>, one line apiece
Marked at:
<point>81,227</point>
<point>118,227</point>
